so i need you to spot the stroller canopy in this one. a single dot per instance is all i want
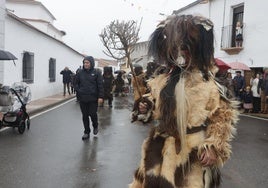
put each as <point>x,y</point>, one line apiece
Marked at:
<point>23,90</point>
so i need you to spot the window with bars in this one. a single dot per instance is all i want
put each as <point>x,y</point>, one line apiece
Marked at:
<point>52,69</point>
<point>28,67</point>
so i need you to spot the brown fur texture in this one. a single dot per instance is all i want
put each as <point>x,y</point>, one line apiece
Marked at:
<point>137,115</point>
<point>150,99</point>
<point>193,113</point>
<point>160,157</point>
<point>140,86</point>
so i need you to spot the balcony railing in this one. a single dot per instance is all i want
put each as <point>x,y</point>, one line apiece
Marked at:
<point>228,40</point>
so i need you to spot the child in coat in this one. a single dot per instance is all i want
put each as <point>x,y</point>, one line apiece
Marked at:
<point>247,100</point>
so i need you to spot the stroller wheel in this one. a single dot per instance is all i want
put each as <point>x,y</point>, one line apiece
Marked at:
<point>28,122</point>
<point>21,127</point>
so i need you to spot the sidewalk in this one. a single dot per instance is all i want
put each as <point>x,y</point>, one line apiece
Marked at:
<point>42,104</point>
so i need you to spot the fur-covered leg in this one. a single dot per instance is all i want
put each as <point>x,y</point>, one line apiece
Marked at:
<point>212,178</point>
<point>137,180</point>
<point>195,178</point>
<point>135,184</point>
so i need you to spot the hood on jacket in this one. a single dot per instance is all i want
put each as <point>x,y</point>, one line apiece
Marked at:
<point>91,60</point>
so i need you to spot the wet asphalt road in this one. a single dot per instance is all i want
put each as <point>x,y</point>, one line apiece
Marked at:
<point>52,155</point>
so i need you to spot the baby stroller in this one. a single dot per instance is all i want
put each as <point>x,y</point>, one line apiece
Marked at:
<point>13,101</point>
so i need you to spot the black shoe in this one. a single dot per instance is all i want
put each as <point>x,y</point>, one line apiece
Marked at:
<point>95,131</point>
<point>85,137</point>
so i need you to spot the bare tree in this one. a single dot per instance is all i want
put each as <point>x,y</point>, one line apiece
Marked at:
<point>119,39</point>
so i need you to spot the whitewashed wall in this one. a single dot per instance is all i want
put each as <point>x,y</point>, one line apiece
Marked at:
<point>255,20</point>
<point>2,23</point>
<point>2,35</point>
<point>47,28</point>
<point>140,51</point>
<point>256,29</point>
<point>33,10</point>
<point>20,38</point>
<point>256,26</point>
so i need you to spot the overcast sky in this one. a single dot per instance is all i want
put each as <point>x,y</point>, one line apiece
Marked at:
<point>83,20</point>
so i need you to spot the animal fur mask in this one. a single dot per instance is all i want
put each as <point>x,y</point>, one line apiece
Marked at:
<point>184,40</point>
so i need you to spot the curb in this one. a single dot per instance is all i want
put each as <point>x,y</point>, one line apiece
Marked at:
<point>48,106</point>
<point>254,115</point>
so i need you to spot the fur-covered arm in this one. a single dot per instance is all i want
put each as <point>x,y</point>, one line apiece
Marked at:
<point>138,115</point>
<point>155,85</point>
<point>221,128</point>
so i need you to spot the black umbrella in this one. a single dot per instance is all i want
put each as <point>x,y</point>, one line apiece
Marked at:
<point>6,55</point>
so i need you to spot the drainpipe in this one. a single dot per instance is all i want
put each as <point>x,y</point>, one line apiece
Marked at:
<point>223,19</point>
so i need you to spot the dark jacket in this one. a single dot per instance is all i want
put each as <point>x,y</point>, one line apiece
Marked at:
<point>108,83</point>
<point>239,83</point>
<point>119,83</point>
<point>265,84</point>
<point>247,97</point>
<point>260,85</point>
<point>66,76</point>
<point>89,84</point>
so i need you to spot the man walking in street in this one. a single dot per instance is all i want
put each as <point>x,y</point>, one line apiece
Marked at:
<point>66,79</point>
<point>89,88</point>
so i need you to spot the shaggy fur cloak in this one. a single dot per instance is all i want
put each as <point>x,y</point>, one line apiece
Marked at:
<point>192,112</point>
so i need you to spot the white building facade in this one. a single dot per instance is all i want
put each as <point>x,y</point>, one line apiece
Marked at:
<point>2,30</point>
<point>139,54</point>
<point>29,34</point>
<point>225,14</point>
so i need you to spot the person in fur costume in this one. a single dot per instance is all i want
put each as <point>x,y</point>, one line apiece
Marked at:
<point>139,83</point>
<point>108,85</point>
<point>143,107</point>
<point>196,122</point>
<point>140,88</point>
